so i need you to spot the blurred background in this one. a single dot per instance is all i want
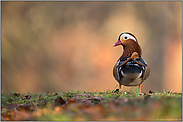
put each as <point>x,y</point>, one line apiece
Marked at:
<point>66,46</point>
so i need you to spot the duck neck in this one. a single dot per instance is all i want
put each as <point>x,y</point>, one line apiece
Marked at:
<point>129,49</point>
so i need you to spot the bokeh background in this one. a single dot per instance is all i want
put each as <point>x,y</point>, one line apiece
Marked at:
<point>66,46</point>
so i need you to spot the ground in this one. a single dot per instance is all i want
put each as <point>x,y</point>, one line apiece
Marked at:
<point>87,106</point>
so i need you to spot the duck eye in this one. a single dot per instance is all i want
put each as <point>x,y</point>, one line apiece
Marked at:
<point>125,37</point>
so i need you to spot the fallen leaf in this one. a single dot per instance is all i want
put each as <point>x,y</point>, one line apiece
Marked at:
<point>59,101</point>
<point>26,96</point>
<point>151,92</point>
<point>12,105</point>
<point>24,107</point>
<point>71,100</point>
<point>16,94</point>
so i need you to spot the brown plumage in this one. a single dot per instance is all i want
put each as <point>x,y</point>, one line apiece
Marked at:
<point>130,69</point>
<point>133,57</point>
<point>129,47</point>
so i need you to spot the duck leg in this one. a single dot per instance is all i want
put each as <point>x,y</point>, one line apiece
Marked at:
<point>119,86</point>
<point>140,88</point>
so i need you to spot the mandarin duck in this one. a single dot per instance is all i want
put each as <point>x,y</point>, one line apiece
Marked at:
<point>130,69</point>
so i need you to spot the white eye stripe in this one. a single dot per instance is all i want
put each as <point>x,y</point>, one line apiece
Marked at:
<point>127,36</point>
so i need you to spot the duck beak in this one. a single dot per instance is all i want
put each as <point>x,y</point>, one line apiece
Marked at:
<point>117,43</point>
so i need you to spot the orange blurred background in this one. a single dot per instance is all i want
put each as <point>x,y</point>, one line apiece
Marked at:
<point>66,46</point>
